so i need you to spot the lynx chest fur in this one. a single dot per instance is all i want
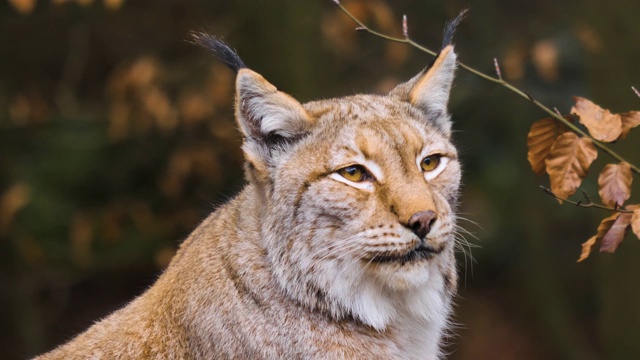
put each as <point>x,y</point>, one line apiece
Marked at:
<point>341,245</point>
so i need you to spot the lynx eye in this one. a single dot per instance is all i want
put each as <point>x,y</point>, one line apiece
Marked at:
<point>355,173</point>
<point>430,162</point>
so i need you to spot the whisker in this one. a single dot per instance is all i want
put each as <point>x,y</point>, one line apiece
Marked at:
<point>461,230</point>
<point>341,252</point>
<point>469,221</point>
<point>463,245</point>
<point>335,246</point>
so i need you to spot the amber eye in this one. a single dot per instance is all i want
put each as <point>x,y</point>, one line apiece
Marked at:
<point>355,173</point>
<point>430,163</point>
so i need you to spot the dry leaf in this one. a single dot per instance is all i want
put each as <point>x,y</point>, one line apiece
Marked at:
<point>616,233</point>
<point>615,184</point>
<point>24,7</point>
<point>541,137</point>
<point>568,162</point>
<point>606,224</point>
<point>601,123</point>
<point>603,228</point>
<point>629,121</point>
<point>635,222</point>
<point>586,248</point>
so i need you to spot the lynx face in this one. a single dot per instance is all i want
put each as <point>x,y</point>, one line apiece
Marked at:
<point>362,210</point>
<point>358,195</point>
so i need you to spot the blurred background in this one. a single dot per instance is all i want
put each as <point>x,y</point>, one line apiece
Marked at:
<point>117,138</point>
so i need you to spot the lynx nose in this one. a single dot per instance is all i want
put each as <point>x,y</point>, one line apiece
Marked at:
<point>421,222</point>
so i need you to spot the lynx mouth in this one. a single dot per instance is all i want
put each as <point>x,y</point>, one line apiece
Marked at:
<point>420,252</point>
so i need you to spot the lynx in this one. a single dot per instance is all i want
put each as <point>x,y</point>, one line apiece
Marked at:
<point>340,246</point>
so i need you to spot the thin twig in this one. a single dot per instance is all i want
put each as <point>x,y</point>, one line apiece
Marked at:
<point>557,111</point>
<point>405,27</point>
<point>587,203</point>
<point>407,40</point>
<point>635,91</point>
<point>497,66</point>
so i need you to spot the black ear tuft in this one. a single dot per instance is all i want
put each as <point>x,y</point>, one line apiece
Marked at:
<point>450,28</point>
<point>220,49</point>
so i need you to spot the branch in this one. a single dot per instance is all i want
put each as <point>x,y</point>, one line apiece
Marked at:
<point>587,203</point>
<point>497,66</point>
<point>497,80</point>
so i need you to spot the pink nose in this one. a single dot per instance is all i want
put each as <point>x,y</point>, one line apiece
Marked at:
<point>421,222</point>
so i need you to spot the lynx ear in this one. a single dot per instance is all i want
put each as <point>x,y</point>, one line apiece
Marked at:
<point>269,119</point>
<point>429,90</point>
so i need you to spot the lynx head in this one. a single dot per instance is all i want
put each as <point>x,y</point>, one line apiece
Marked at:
<point>358,193</point>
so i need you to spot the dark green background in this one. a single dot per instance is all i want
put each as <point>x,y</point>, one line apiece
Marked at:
<point>90,214</point>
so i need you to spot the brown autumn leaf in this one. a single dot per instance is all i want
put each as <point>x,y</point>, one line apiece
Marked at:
<point>635,221</point>
<point>603,229</point>
<point>615,184</point>
<point>630,120</point>
<point>616,233</point>
<point>586,248</point>
<point>568,162</point>
<point>601,123</point>
<point>541,137</point>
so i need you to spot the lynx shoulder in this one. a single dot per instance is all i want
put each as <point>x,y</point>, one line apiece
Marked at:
<point>340,246</point>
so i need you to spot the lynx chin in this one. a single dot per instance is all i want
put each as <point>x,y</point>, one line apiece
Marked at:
<point>340,246</point>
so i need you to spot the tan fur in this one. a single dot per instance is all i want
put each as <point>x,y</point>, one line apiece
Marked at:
<point>290,268</point>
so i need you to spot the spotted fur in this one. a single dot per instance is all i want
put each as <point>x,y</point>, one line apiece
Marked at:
<point>303,263</point>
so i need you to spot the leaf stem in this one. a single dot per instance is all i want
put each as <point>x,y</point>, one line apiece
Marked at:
<point>407,40</point>
<point>587,203</point>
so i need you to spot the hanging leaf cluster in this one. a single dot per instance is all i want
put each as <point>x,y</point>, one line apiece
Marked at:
<point>566,156</point>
